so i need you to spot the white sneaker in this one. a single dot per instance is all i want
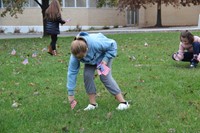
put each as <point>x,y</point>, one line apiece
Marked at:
<point>91,107</point>
<point>123,106</point>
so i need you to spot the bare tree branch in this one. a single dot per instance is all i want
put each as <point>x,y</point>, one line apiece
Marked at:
<point>38,3</point>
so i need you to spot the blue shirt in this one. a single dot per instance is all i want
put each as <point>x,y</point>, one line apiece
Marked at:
<point>100,48</point>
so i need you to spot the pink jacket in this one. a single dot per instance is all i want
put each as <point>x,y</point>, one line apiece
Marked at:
<point>183,48</point>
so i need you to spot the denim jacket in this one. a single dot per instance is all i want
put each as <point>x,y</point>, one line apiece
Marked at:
<point>100,48</point>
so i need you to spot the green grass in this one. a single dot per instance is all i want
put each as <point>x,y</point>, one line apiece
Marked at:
<point>164,94</point>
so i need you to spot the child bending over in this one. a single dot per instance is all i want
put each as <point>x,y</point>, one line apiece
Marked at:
<point>93,50</point>
<point>189,49</point>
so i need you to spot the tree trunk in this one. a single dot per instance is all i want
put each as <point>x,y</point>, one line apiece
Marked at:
<point>45,5</point>
<point>159,19</point>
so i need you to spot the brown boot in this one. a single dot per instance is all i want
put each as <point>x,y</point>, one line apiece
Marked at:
<point>50,50</point>
<point>54,52</point>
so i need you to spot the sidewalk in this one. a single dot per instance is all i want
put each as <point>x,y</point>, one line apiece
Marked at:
<point>125,30</point>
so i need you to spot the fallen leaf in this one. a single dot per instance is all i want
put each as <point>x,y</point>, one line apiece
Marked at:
<point>109,115</point>
<point>82,130</point>
<point>36,93</point>
<point>132,58</point>
<point>44,49</point>
<point>65,129</point>
<point>171,130</point>
<point>31,84</point>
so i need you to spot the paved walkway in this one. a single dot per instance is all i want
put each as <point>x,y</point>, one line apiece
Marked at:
<point>108,31</point>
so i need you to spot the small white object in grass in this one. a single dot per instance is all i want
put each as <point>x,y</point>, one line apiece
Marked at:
<point>146,44</point>
<point>133,58</point>
<point>36,93</point>
<point>44,49</point>
<point>34,55</point>
<point>15,104</point>
<point>13,52</point>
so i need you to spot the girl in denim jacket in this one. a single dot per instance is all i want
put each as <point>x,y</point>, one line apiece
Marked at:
<point>92,50</point>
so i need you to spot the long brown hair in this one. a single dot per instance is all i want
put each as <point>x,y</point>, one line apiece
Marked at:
<point>188,35</point>
<point>53,12</point>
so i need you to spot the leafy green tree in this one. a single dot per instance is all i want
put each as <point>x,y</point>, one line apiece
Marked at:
<point>14,7</point>
<point>137,4</point>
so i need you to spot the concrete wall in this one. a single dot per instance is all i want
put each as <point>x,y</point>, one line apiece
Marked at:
<point>84,18</point>
<point>106,17</point>
<point>30,16</point>
<point>171,16</point>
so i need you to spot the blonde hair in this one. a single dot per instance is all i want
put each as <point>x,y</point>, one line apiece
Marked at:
<point>78,46</point>
<point>53,12</point>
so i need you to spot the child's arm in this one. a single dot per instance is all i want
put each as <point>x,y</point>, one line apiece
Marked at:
<point>73,70</point>
<point>180,54</point>
<point>197,38</point>
<point>60,20</point>
<point>181,48</point>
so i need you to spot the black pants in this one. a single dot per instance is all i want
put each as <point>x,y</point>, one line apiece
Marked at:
<point>188,56</point>
<point>53,41</point>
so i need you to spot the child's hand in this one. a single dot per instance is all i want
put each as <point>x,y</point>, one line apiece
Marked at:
<point>177,56</point>
<point>72,101</point>
<point>198,58</point>
<point>100,67</point>
<point>73,104</point>
<point>103,62</point>
<point>68,20</point>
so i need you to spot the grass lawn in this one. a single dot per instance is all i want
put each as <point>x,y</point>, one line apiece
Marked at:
<point>164,94</point>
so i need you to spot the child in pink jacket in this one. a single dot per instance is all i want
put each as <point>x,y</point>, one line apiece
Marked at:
<point>189,49</point>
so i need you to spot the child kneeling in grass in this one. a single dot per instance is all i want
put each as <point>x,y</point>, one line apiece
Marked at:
<point>96,52</point>
<point>189,49</point>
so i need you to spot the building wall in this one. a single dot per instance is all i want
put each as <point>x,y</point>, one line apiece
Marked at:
<point>171,16</point>
<point>30,16</point>
<point>94,16</point>
<point>84,18</point>
<point>106,17</point>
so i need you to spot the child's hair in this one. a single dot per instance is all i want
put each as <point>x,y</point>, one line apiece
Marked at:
<point>53,12</point>
<point>188,35</point>
<point>78,46</point>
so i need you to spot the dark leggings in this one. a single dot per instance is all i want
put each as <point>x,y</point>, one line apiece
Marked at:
<point>188,56</point>
<point>53,41</point>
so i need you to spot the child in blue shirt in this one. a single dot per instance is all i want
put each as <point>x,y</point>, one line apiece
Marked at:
<point>92,50</point>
